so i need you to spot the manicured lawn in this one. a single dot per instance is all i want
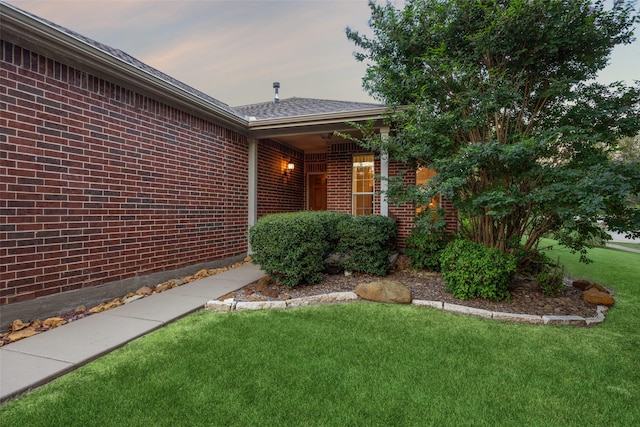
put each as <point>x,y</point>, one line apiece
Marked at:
<point>363,364</point>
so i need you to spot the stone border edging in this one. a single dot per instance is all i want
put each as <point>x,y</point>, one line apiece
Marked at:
<point>231,304</point>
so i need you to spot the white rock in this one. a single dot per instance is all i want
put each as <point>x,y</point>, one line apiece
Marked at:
<point>260,305</point>
<point>517,317</point>
<point>563,320</point>
<point>467,310</point>
<point>426,303</point>
<point>132,299</point>
<point>331,298</point>
<point>222,306</point>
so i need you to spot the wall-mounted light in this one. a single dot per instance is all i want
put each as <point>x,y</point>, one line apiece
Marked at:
<point>289,168</point>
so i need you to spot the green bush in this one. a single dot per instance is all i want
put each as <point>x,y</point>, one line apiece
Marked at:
<point>550,279</point>
<point>291,247</point>
<point>472,270</point>
<point>367,241</point>
<point>427,240</point>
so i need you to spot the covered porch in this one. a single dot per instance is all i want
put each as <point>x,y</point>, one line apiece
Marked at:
<point>296,162</point>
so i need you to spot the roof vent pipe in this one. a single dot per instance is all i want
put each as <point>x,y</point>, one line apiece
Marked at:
<point>276,86</point>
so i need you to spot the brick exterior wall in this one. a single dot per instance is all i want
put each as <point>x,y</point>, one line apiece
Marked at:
<point>339,168</point>
<point>277,192</point>
<point>100,183</point>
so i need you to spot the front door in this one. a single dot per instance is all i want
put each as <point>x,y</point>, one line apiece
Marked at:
<point>317,192</point>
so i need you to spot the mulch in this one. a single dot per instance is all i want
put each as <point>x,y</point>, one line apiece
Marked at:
<point>526,297</point>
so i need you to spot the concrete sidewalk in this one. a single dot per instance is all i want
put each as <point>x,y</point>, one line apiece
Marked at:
<point>34,361</point>
<point>623,248</point>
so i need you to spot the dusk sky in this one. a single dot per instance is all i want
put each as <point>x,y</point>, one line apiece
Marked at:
<point>234,50</point>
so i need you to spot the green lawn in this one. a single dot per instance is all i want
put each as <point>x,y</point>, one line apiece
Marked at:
<point>363,364</point>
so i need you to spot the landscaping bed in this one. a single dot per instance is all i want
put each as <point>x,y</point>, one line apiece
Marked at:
<point>526,297</point>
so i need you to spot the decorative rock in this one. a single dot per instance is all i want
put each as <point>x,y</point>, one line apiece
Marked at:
<point>467,310</point>
<point>21,334</point>
<point>599,318</point>
<point>517,317</point>
<point>260,305</point>
<point>166,285</point>
<point>596,296</point>
<point>54,322</point>
<point>17,325</point>
<point>106,306</point>
<point>425,303</point>
<point>563,320</point>
<point>581,284</point>
<point>145,290</point>
<point>200,274</point>
<point>132,298</point>
<point>222,306</point>
<point>386,291</point>
<point>598,287</point>
<point>331,298</point>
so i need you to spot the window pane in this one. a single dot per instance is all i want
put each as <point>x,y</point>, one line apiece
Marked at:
<point>362,184</point>
<point>363,204</point>
<point>423,175</point>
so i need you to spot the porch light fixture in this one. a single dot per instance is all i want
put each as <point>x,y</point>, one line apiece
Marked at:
<point>289,168</point>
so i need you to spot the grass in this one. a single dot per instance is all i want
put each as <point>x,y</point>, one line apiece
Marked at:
<point>363,364</point>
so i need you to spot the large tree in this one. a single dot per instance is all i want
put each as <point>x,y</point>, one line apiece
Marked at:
<point>500,98</point>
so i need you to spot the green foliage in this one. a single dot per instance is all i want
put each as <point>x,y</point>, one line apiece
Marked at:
<point>472,270</point>
<point>501,100</point>
<point>367,242</point>
<point>551,281</point>
<point>292,247</point>
<point>427,239</point>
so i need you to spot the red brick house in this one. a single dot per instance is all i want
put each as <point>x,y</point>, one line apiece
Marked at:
<point>115,175</point>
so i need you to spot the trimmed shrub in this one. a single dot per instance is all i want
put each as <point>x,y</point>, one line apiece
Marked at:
<point>427,240</point>
<point>472,270</point>
<point>291,247</point>
<point>367,242</point>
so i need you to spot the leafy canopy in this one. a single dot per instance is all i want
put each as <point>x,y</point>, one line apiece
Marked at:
<point>499,97</point>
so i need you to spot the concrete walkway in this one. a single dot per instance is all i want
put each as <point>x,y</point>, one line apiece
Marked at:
<point>34,361</point>
<point>623,248</point>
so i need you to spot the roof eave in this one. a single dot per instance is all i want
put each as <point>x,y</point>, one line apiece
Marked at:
<point>35,31</point>
<point>318,119</point>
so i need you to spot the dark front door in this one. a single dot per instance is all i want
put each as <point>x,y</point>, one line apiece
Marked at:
<point>317,192</point>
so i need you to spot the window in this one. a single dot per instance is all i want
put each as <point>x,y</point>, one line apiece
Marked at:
<point>423,175</point>
<point>362,186</point>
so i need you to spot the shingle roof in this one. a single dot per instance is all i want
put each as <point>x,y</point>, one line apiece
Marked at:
<point>290,107</point>
<point>294,107</point>
<point>125,57</point>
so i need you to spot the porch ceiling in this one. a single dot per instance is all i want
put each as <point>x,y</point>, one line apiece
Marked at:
<point>311,142</point>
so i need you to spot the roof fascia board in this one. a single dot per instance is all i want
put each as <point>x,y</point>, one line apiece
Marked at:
<point>317,119</point>
<point>35,31</point>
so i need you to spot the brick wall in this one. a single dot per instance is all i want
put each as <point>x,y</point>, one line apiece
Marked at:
<point>277,192</point>
<point>339,167</point>
<point>100,183</point>
<point>339,170</point>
